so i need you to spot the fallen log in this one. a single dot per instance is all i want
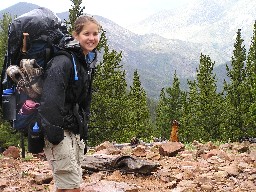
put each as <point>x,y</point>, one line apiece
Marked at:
<point>102,162</point>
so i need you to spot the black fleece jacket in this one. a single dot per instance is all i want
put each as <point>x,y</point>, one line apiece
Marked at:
<point>61,92</point>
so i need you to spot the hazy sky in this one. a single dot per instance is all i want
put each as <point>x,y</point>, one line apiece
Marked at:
<point>123,12</point>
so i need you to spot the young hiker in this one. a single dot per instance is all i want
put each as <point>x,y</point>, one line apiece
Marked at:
<point>64,107</point>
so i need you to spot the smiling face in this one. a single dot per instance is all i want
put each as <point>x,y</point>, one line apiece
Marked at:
<point>88,37</point>
<point>87,33</point>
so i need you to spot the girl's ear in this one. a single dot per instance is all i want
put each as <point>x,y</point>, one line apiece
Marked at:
<point>74,34</point>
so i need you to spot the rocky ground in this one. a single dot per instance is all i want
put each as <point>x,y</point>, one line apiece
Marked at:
<point>201,167</point>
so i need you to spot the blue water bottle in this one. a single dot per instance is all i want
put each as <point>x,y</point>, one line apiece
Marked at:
<point>9,104</point>
<point>35,131</point>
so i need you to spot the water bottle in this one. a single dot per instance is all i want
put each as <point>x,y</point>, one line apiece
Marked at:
<point>35,139</point>
<point>9,104</point>
<point>35,130</point>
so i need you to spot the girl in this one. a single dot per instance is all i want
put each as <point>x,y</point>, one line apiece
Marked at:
<point>64,106</point>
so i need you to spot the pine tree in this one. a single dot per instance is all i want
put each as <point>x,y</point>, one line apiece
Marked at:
<point>201,111</point>
<point>189,130</point>
<point>138,110</point>
<point>209,101</point>
<point>75,11</point>
<point>109,100</point>
<point>4,24</point>
<point>163,116</point>
<point>234,109</point>
<point>250,68</point>
<point>250,116</point>
<point>169,107</point>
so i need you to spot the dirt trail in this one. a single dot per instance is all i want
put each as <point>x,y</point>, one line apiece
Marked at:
<point>229,167</point>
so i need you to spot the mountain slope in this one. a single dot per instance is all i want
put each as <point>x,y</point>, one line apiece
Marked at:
<point>212,23</point>
<point>18,9</point>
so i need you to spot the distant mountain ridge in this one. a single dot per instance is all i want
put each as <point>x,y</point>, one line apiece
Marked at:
<point>19,9</point>
<point>212,23</point>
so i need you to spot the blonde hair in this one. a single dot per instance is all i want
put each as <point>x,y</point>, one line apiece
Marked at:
<point>82,20</point>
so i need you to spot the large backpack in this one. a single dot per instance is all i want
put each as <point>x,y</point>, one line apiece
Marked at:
<point>33,39</point>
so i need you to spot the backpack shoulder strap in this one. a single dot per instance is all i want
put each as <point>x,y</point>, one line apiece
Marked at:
<point>71,56</point>
<point>63,52</point>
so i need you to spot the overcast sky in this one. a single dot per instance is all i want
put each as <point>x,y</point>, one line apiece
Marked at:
<point>122,12</point>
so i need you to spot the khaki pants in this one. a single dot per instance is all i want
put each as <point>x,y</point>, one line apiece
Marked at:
<point>65,160</point>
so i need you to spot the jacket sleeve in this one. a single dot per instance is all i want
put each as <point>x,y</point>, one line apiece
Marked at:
<point>52,108</point>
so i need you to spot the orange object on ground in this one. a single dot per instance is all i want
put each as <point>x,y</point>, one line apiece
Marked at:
<point>174,131</point>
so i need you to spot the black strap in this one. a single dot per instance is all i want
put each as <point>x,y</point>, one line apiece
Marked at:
<point>82,124</point>
<point>63,52</point>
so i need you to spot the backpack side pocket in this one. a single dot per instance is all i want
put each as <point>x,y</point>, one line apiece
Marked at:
<point>26,116</point>
<point>35,139</point>
<point>22,121</point>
